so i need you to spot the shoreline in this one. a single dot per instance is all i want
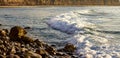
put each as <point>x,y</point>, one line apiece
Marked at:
<point>56,6</point>
<point>13,45</point>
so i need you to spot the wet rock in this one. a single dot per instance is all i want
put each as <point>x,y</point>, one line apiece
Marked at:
<point>2,48</point>
<point>64,56</point>
<point>3,33</point>
<point>16,33</point>
<point>6,30</point>
<point>69,48</point>
<point>12,56</point>
<point>32,54</point>
<point>1,42</point>
<point>75,56</point>
<point>27,27</point>
<point>51,50</point>
<point>39,43</point>
<point>2,56</point>
<point>41,51</point>
<point>13,50</point>
<point>24,49</point>
<point>60,54</point>
<point>26,39</point>
<point>0,24</point>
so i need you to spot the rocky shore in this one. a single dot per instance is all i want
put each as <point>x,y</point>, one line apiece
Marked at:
<point>15,44</point>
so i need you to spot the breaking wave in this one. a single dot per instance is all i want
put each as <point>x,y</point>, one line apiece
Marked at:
<point>88,41</point>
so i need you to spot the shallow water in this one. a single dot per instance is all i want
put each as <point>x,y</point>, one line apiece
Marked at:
<point>56,25</point>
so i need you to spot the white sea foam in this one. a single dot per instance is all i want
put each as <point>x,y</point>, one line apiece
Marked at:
<point>87,44</point>
<point>69,22</point>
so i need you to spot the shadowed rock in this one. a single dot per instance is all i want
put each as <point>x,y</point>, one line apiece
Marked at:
<point>3,33</point>
<point>18,33</point>
<point>69,48</point>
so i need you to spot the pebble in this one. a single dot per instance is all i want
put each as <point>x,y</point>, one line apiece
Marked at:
<point>16,44</point>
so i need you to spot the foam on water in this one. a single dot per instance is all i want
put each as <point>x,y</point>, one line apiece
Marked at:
<point>69,22</point>
<point>89,43</point>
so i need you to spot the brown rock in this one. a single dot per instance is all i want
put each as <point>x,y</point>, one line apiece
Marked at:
<point>27,28</point>
<point>1,42</point>
<point>23,49</point>
<point>16,33</point>
<point>26,39</point>
<point>69,48</point>
<point>39,43</point>
<point>13,50</point>
<point>41,51</point>
<point>32,54</point>
<point>2,56</point>
<point>12,56</point>
<point>3,33</point>
<point>0,24</point>
<point>51,50</point>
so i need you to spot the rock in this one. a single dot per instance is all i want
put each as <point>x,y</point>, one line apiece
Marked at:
<point>51,50</point>
<point>3,33</point>
<point>12,56</point>
<point>2,56</point>
<point>32,54</point>
<point>16,33</point>
<point>1,42</point>
<point>69,48</point>
<point>41,44</point>
<point>41,51</point>
<point>87,56</point>
<point>27,27</point>
<point>24,49</point>
<point>26,39</point>
<point>64,56</point>
<point>6,30</point>
<point>0,24</point>
<point>13,51</point>
<point>60,54</point>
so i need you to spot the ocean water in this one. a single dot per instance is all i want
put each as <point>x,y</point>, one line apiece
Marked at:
<point>93,30</point>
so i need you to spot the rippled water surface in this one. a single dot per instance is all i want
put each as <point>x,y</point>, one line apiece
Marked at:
<point>106,20</point>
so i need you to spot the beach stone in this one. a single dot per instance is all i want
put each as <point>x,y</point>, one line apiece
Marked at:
<point>27,39</point>
<point>41,44</point>
<point>60,54</point>
<point>2,56</point>
<point>13,50</point>
<point>41,51</point>
<point>1,42</point>
<point>3,33</point>
<point>27,27</point>
<point>64,56</point>
<point>33,55</point>
<point>24,49</point>
<point>16,33</point>
<point>51,50</point>
<point>0,24</point>
<point>12,56</point>
<point>69,48</point>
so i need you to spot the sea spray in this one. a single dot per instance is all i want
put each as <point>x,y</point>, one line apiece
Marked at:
<point>88,41</point>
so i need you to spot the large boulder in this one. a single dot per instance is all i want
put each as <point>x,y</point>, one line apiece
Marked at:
<point>18,33</point>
